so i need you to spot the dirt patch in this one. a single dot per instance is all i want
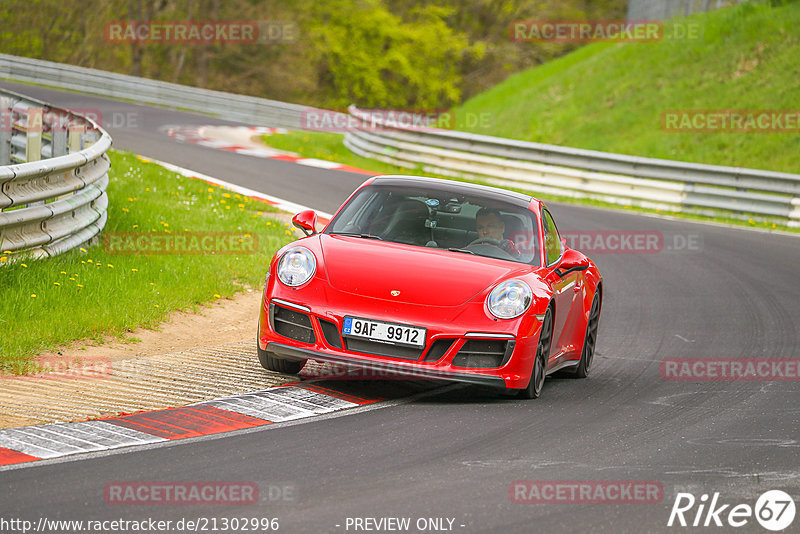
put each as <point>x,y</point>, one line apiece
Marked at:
<point>190,358</point>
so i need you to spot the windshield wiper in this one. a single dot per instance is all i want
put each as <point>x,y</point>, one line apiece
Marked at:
<point>462,250</point>
<point>354,234</point>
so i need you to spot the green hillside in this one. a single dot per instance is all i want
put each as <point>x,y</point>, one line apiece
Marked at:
<point>611,97</point>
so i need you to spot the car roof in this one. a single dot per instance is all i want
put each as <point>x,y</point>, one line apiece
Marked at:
<point>494,193</point>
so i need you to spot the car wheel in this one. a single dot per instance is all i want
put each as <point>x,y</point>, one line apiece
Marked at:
<point>270,362</point>
<point>539,371</point>
<point>589,339</point>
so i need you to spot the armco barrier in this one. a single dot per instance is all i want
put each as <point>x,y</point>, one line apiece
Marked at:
<point>249,109</point>
<point>615,178</point>
<point>53,177</point>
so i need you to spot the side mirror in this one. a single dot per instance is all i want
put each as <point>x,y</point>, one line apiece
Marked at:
<point>572,261</point>
<point>306,221</point>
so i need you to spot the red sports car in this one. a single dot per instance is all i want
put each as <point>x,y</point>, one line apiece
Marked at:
<point>433,278</point>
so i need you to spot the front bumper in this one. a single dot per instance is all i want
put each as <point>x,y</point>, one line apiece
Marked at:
<point>513,341</point>
<point>287,351</point>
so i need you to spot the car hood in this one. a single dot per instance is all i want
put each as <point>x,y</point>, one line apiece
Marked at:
<point>423,276</point>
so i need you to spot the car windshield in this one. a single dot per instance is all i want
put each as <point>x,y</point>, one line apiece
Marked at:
<point>453,221</point>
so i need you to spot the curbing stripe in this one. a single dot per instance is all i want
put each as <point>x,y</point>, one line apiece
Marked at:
<point>260,408</point>
<point>9,457</point>
<point>333,393</point>
<point>180,423</point>
<point>195,135</point>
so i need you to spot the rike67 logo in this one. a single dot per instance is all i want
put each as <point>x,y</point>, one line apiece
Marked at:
<point>774,510</point>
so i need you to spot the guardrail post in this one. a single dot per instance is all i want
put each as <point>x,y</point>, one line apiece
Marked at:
<point>58,130</point>
<point>6,124</point>
<point>75,138</point>
<point>33,144</point>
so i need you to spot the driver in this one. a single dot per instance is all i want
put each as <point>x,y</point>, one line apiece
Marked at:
<point>490,225</point>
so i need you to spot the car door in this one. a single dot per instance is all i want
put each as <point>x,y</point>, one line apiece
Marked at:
<point>563,287</point>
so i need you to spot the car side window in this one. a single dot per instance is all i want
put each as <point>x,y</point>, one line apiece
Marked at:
<point>553,247</point>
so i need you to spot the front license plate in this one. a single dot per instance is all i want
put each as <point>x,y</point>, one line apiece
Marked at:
<point>381,331</point>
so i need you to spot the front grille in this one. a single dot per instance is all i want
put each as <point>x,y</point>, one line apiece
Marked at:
<point>291,323</point>
<point>438,349</point>
<point>484,353</point>
<point>382,349</point>
<point>331,333</point>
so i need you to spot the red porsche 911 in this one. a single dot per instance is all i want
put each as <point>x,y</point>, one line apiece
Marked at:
<point>433,278</point>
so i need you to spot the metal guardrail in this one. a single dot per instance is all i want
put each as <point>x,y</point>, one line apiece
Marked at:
<point>248,109</point>
<point>614,178</point>
<point>53,177</point>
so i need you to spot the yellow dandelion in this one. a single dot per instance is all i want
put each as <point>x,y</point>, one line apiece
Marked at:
<point>136,226</point>
<point>134,270</point>
<point>185,229</point>
<point>111,266</point>
<point>83,261</point>
<point>56,284</point>
<point>88,261</point>
<point>217,295</point>
<point>227,207</point>
<point>83,249</point>
<point>152,284</point>
<point>23,264</point>
<point>237,196</point>
<point>3,258</point>
<point>63,272</point>
<point>71,278</point>
<point>147,189</point>
<point>209,197</point>
<point>241,205</point>
<point>9,252</point>
<point>210,189</point>
<point>226,195</point>
<point>125,210</point>
<point>80,286</point>
<point>33,295</point>
<point>222,202</point>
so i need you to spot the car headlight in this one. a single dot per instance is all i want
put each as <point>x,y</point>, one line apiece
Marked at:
<point>510,299</point>
<point>296,266</point>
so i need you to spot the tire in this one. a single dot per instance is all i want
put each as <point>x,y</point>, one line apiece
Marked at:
<point>270,362</point>
<point>589,339</point>
<point>539,371</point>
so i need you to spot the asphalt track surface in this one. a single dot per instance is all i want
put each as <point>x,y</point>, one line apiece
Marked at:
<point>453,452</point>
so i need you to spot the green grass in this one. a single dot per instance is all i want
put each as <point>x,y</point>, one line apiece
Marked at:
<point>611,97</point>
<point>97,293</point>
